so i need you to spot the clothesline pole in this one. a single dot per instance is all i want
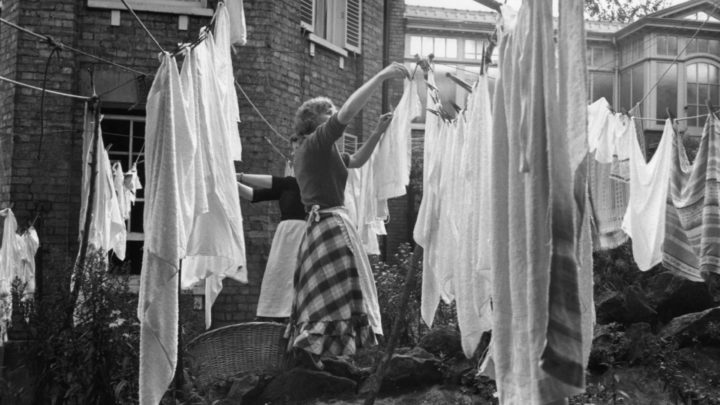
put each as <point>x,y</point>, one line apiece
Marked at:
<point>371,387</point>
<point>143,25</point>
<point>82,255</point>
<point>57,93</point>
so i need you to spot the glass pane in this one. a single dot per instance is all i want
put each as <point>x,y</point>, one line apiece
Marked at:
<point>713,75</point>
<point>427,46</point>
<point>672,46</point>
<point>415,45</point>
<point>602,86</point>
<point>638,83</point>
<point>470,49</point>
<point>692,94</point>
<point>451,51</point>
<point>702,73</point>
<point>662,43</point>
<point>691,71</point>
<point>691,112</point>
<point>692,46</point>
<point>667,90</point>
<point>440,47</point>
<point>625,87</point>
<point>702,45</point>
<point>136,217</point>
<point>715,95</point>
<point>602,57</point>
<point>714,47</point>
<point>703,93</point>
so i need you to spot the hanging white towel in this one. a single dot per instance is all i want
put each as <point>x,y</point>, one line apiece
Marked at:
<point>219,50</point>
<point>123,194</point>
<point>394,151</point>
<point>216,247</point>
<point>107,225</point>
<point>644,219</point>
<point>473,278</point>
<point>26,270</point>
<point>9,251</point>
<point>168,149</point>
<point>238,34</point>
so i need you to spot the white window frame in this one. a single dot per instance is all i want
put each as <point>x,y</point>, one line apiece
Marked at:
<point>348,143</point>
<point>194,7</point>
<point>337,29</point>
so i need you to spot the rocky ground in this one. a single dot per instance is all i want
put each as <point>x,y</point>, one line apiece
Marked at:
<point>657,341</point>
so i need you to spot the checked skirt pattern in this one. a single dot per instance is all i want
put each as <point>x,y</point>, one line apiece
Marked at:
<point>329,314</point>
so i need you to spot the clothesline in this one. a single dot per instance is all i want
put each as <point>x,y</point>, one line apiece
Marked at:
<point>54,42</point>
<point>57,93</point>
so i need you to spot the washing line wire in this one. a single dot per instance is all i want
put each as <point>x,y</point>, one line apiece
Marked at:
<point>57,93</point>
<point>54,42</point>
<point>143,25</point>
<point>262,117</point>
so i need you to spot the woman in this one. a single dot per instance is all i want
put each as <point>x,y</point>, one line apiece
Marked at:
<point>335,305</point>
<point>275,301</point>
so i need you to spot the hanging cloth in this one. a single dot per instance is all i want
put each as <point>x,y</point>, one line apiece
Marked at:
<point>394,151</point>
<point>226,29</point>
<point>167,221</point>
<point>692,245</point>
<point>216,247</point>
<point>30,242</point>
<point>645,218</point>
<point>473,278</point>
<point>238,30</point>
<point>10,261</point>
<point>107,225</point>
<point>535,212</point>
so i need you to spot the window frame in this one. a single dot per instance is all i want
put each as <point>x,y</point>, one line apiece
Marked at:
<point>179,7</point>
<point>340,31</point>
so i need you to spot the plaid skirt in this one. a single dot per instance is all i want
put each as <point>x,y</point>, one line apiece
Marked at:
<point>329,313</point>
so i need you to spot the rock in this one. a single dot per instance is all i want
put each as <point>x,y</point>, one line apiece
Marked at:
<point>609,347</point>
<point>442,341</point>
<point>638,335</point>
<point>703,327</point>
<point>672,296</point>
<point>626,307</point>
<point>610,307</point>
<point>341,367</point>
<point>300,384</point>
<point>638,387</point>
<point>412,369</point>
<point>637,309</point>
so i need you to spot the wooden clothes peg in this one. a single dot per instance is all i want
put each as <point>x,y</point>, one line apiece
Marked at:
<point>460,82</point>
<point>711,108</point>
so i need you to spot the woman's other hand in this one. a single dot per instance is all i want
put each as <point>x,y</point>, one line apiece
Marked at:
<point>394,70</point>
<point>383,123</point>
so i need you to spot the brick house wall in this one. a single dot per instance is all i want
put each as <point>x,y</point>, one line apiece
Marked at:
<point>275,68</point>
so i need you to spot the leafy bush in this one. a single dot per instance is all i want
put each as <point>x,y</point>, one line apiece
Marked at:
<point>390,281</point>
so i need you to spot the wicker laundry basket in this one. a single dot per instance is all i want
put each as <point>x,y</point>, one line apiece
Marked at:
<point>225,352</point>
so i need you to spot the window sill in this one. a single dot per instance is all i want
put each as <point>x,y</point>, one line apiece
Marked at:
<point>327,44</point>
<point>166,7</point>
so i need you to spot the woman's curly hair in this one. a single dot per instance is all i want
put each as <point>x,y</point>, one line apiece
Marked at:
<point>308,116</point>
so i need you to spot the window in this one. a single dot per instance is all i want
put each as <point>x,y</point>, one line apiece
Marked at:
<point>438,46</point>
<point>348,143</point>
<point>473,49</point>
<point>600,57</point>
<point>632,86</point>
<point>701,16</point>
<point>335,24</point>
<point>184,7</point>
<point>667,45</point>
<point>703,45</point>
<point>667,91</point>
<point>703,83</point>
<point>600,84</point>
<point>124,136</point>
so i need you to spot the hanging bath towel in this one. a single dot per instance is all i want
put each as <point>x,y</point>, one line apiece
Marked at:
<point>692,239</point>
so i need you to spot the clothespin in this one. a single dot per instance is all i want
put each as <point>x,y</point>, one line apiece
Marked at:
<point>482,62</point>
<point>460,82</point>
<point>669,114</point>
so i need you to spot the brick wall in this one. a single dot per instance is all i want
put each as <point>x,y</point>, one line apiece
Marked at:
<point>8,55</point>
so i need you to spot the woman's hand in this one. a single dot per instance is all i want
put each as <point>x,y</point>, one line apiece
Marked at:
<point>383,123</point>
<point>394,70</point>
